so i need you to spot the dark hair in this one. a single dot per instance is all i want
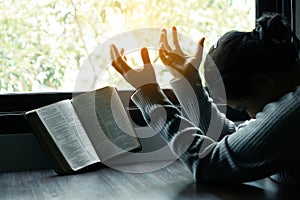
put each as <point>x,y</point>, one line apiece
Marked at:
<point>270,47</point>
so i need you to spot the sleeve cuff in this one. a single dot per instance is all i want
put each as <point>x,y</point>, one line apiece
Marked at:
<point>189,80</point>
<point>148,95</point>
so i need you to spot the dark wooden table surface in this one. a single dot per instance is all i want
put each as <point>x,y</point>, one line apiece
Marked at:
<point>171,182</point>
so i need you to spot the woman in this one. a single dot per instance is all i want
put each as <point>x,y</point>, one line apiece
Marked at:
<point>260,71</point>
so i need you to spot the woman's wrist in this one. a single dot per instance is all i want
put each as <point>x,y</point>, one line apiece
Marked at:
<point>192,77</point>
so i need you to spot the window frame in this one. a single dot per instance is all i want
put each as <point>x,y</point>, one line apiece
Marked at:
<point>14,106</point>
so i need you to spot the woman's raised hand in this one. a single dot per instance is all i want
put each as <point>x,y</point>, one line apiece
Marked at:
<point>138,77</point>
<point>179,63</point>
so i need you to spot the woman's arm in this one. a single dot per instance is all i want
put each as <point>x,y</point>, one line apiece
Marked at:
<point>251,153</point>
<point>200,108</point>
<point>188,88</point>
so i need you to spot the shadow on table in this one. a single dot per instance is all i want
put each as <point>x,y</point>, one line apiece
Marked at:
<point>264,189</point>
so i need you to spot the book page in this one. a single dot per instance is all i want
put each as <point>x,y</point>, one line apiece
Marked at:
<point>63,124</point>
<point>106,122</point>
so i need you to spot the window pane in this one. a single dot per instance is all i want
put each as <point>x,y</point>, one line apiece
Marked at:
<point>44,44</point>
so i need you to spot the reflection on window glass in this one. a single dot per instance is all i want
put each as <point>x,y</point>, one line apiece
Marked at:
<point>44,44</point>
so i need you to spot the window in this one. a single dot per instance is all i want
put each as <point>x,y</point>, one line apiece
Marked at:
<point>45,44</point>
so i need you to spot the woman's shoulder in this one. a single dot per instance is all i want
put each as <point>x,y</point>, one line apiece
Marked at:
<point>284,110</point>
<point>280,115</point>
<point>297,90</point>
<point>289,102</point>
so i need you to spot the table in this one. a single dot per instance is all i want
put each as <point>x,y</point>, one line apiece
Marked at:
<point>173,181</point>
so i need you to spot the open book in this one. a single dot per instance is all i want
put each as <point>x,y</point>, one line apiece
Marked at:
<point>85,131</point>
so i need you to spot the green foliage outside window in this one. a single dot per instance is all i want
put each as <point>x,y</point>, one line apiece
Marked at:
<point>44,43</point>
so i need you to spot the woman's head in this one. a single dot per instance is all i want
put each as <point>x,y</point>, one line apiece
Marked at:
<point>242,57</point>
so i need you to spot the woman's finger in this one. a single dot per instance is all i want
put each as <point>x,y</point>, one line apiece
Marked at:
<point>114,52</point>
<point>198,56</point>
<point>118,69</point>
<point>117,62</point>
<point>175,37</point>
<point>145,56</point>
<point>176,41</point>
<point>114,63</point>
<point>199,51</point>
<point>122,54</point>
<point>163,54</point>
<point>164,39</point>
